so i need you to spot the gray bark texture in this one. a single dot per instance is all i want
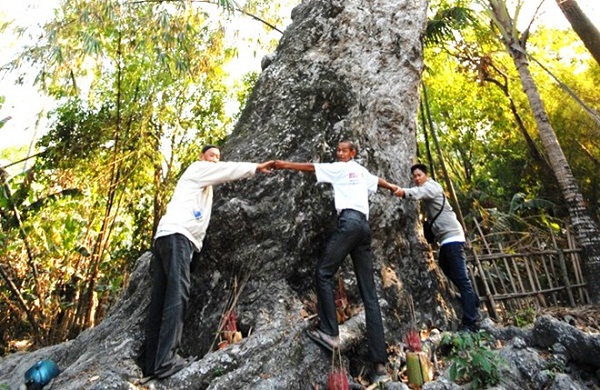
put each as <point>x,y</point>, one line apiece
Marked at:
<point>343,69</point>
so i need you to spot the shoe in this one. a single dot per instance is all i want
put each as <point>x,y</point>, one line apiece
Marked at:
<point>174,367</point>
<point>468,328</point>
<point>381,379</point>
<point>380,375</point>
<point>323,339</point>
<point>145,380</point>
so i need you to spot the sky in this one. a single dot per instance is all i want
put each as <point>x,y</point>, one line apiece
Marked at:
<point>24,103</point>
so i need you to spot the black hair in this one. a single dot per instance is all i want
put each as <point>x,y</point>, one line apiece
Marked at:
<point>209,146</point>
<point>420,167</point>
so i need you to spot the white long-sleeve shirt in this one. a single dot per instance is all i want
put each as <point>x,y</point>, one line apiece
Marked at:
<point>189,210</point>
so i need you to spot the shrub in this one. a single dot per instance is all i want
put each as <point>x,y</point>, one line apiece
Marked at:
<point>473,359</point>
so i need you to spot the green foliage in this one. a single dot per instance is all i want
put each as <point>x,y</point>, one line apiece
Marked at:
<point>445,22</point>
<point>524,317</point>
<point>78,135</point>
<point>490,157</point>
<point>245,89</point>
<point>473,359</point>
<point>141,86</point>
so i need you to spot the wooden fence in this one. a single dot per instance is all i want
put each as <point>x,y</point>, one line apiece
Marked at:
<point>527,277</point>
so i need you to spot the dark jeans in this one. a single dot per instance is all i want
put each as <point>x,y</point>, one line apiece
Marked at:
<point>168,303</point>
<point>353,236</point>
<point>453,262</point>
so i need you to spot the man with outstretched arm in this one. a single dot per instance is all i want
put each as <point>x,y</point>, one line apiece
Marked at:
<point>352,185</point>
<point>179,234</point>
<point>451,237</point>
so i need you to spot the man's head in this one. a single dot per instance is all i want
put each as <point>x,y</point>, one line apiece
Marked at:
<point>346,151</point>
<point>419,174</point>
<point>211,153</point>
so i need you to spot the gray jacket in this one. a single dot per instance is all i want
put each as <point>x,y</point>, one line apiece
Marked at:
<point>431,195</point>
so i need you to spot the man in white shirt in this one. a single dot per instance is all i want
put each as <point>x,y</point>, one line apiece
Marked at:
<point>352,185</point>
<point>179,234</point>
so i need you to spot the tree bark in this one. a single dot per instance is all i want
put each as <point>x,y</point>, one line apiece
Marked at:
<point>582,25</point>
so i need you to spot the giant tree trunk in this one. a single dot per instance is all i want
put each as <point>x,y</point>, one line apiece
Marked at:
<point>582,25</point>
<point>586,230</point>
<point>343,69</point>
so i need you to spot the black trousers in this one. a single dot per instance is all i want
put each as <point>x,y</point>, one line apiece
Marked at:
<point>353,236</point>
<point>168,303</point>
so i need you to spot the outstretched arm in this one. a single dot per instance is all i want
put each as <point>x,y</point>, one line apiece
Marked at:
<point>265,167</point>
<point>388,186</point>
<point>306,167</point>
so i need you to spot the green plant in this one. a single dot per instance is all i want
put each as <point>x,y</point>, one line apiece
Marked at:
<point>555,365</point>
<point>524,317</point>
<point>473,359</point>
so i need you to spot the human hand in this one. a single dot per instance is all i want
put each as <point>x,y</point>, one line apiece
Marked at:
<point>279,164</point>
<point>399,192</point>
<point>265,167</point>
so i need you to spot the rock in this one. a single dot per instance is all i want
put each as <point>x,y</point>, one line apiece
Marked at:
<point>395,386</point>
<point>519,363</point>
<point>564,382</point>
<point>582,348</point>
<point>440,384</point>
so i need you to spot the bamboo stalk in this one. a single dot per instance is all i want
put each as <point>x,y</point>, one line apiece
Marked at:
<point>521,285</point>
<point>575,261</point>
<point>532,284</point>
<point>535,266</point>
<point>549,277</point>
<point>529,293</point>
<point>488,294</point>
<point>521,275</point>
<point>511,304</point>
<point>493,307</point>
<point>510,276</point>
<point>563,267</point>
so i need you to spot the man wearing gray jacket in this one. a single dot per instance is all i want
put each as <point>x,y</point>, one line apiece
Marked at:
<point>451,238</point>
<point>179,234</point>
